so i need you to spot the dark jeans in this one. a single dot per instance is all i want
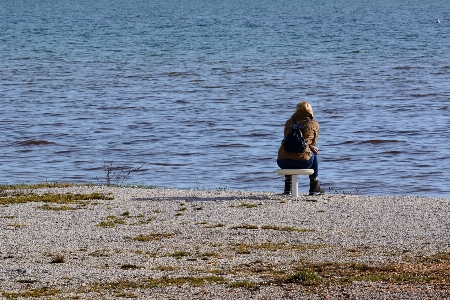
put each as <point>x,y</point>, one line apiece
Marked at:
<point>312,163</point>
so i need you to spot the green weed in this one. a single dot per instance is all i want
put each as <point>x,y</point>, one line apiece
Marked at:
<point>126,295</point>
<point>125,285</point>
<point>143,222</point>
<point>56,208</point>
<point>179,254</point>
<point>305,277</point>
<point>286,228</point>
<point>179,281</point>
<point>167,268</point>
<point>244,248</point>
<point>152,237</point>
<point>207,255</point>
<point>17,225</point>
<point>214,225</point>
<point>35,293</point>
<point>248,205</point>
<point>68,198</point>
<point>111,221</point>
<point>130,267</point>
<point>5,187</point>
<point>245,226</point>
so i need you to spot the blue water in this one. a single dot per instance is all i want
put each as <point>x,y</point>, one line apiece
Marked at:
<point>198,92</point>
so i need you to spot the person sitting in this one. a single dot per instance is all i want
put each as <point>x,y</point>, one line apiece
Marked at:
<point>307,159</point>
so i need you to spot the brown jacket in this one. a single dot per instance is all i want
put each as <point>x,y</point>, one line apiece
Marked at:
<point>310,132</point>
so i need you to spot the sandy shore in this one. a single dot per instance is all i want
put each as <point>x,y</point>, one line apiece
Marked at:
<point>194,244</point>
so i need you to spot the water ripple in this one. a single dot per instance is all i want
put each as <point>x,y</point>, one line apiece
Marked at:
<point>208,87</point>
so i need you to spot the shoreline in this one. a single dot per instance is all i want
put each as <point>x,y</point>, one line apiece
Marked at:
<point>206,244</point>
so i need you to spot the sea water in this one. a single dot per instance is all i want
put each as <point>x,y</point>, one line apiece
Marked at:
<point>198,92</point>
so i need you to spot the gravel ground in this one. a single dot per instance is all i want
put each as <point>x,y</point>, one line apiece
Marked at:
<point>195,244</point>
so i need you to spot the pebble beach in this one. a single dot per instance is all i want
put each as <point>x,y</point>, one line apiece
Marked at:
<point>143,243</point>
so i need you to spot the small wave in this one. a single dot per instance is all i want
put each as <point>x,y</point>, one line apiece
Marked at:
<point>336,159</point>
<point>34,143</point>
<point>64,152</point>
<point>394,152</point>
<point>369,142</point>
<point>230,145</point>
<point>347,143</point>
<point>402,68</point>
<point>256,134</point>
<point>422,189</point>
<point>379,141</point>
<point>25,150</point>
<point>133,142</point>
<point>423,95</point>
<point>188,154</point>
<point>178,74</point>
<point>328,111</point>
<point>168,164</point>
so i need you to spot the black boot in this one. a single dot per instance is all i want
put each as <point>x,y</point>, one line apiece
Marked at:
<point>314,187</point>
<point>287,184</point>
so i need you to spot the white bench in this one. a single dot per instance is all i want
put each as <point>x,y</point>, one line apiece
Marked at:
<point>294,173</point>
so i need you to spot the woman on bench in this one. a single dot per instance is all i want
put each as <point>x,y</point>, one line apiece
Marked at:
<point>308,158</point>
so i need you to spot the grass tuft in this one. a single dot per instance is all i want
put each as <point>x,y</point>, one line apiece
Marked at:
<point>207,255</point>
<point>9,217</point>
<point>287,228</point>
<point>5,187</point>
<point>111,221</point>
<point>56,208</point>
<point>403,277</point>
<point>179,281</point>
<point>129,267</point>
<point>35,293</point>
<point>126,295</point>
<point>245,226</point>
<point>167,268</point>
<point>305,277</point>
<point>121,286</point>
<point>214,225</point>
<point>68,198</point>
<point>244,248</point>
<point>152,237</point>
<point>179,254</point>
<point>248,205</point>
<point>17,225</point>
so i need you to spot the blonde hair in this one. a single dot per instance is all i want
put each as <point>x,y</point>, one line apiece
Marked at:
<point>304,106</point>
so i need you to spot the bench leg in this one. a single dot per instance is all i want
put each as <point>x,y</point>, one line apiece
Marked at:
<point>294,185</point>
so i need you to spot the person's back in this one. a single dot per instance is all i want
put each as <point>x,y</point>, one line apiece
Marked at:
<point>307,159</point>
